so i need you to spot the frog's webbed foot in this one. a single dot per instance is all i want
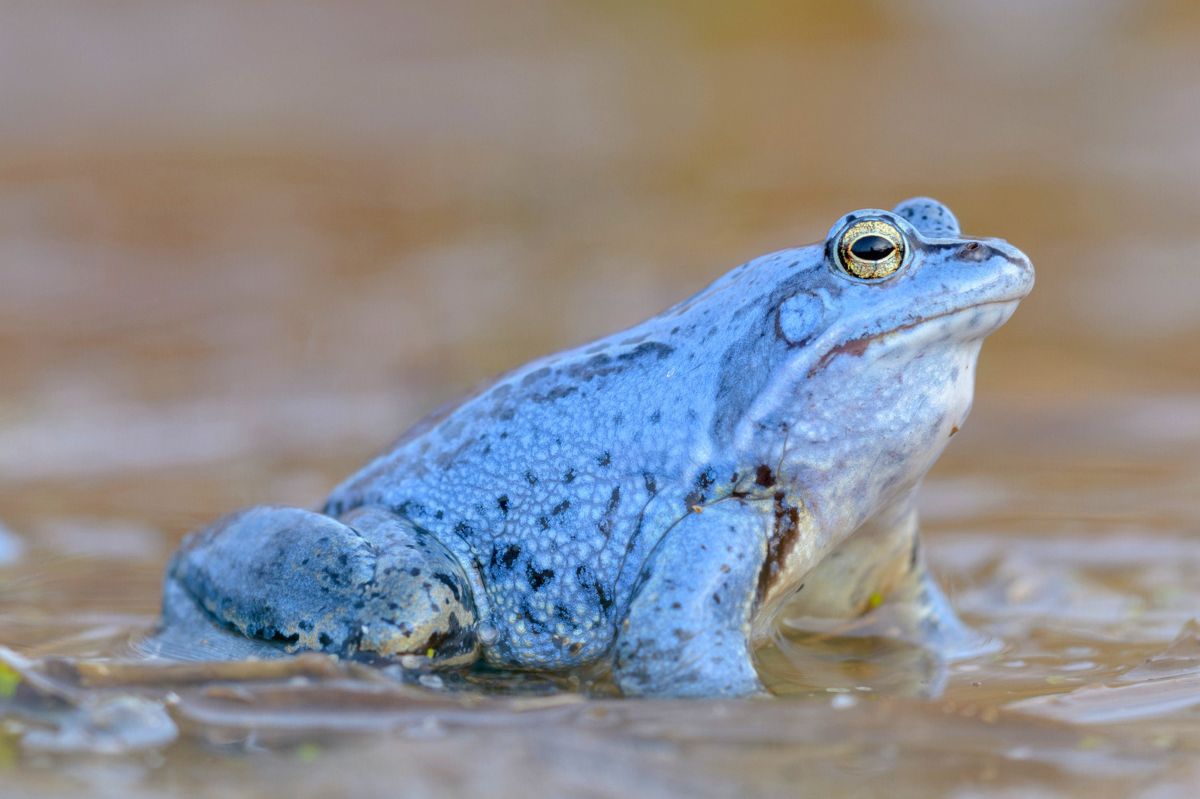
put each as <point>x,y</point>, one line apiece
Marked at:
<point>926,617</point>
<point>289,579</point>
<point>883,563</point>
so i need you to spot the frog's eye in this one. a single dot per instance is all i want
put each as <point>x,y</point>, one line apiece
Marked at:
<point>871,249</point>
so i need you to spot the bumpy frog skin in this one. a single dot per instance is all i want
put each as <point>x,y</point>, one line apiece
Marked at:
<point>647,502</point>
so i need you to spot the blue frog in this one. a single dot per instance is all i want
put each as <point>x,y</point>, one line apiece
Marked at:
<point>646,503</point>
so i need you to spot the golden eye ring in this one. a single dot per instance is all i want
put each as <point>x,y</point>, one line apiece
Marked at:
<point>871,249</point>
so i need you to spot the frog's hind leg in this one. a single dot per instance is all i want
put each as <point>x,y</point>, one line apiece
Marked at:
<point>287,579</point>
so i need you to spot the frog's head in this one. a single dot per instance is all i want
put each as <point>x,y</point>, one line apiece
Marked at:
<point>892,281</point>
<point>882,325</point>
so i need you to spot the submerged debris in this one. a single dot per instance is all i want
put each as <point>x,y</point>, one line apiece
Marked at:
<point>119,707</point>
<point>51,716</point>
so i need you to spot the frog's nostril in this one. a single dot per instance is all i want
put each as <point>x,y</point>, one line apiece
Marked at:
<point>972,251</point>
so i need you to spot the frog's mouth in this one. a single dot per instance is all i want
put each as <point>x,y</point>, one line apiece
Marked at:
<point>987,317</point>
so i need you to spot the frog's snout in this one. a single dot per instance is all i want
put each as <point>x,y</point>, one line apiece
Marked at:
<point>1017,270</point>
<point>1006,251</point>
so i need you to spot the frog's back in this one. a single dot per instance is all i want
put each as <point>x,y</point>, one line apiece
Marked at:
<point>553,482</point>
<point>544,484</point>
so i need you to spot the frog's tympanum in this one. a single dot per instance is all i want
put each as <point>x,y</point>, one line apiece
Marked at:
<point>646,503</point>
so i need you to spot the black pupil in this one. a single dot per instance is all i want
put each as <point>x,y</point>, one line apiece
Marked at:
<point>872,248</point>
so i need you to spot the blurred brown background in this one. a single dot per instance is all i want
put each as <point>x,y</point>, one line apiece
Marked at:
<point>242,246</point>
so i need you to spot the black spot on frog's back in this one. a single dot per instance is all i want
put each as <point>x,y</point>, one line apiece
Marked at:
<point>655,349</point>
<point>603,364</point>
<point>607,521</point>
<point>537,577</point>
<point>533,377</point>
<point>590,584</point>
<point>504,556</point>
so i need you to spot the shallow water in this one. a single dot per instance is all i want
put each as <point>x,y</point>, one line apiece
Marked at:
<point>238,256</point>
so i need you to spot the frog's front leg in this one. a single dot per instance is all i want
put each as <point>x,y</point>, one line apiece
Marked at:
<point>883,561</point>
<point>687,630</point>
<point>293,579</point>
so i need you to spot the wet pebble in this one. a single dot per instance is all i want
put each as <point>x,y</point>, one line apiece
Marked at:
<point>842,701</point>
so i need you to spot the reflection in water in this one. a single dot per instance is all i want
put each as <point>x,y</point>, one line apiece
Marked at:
<point>238,256</point>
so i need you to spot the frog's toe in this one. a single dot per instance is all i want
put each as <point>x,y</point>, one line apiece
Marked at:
<point>927,617</point>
